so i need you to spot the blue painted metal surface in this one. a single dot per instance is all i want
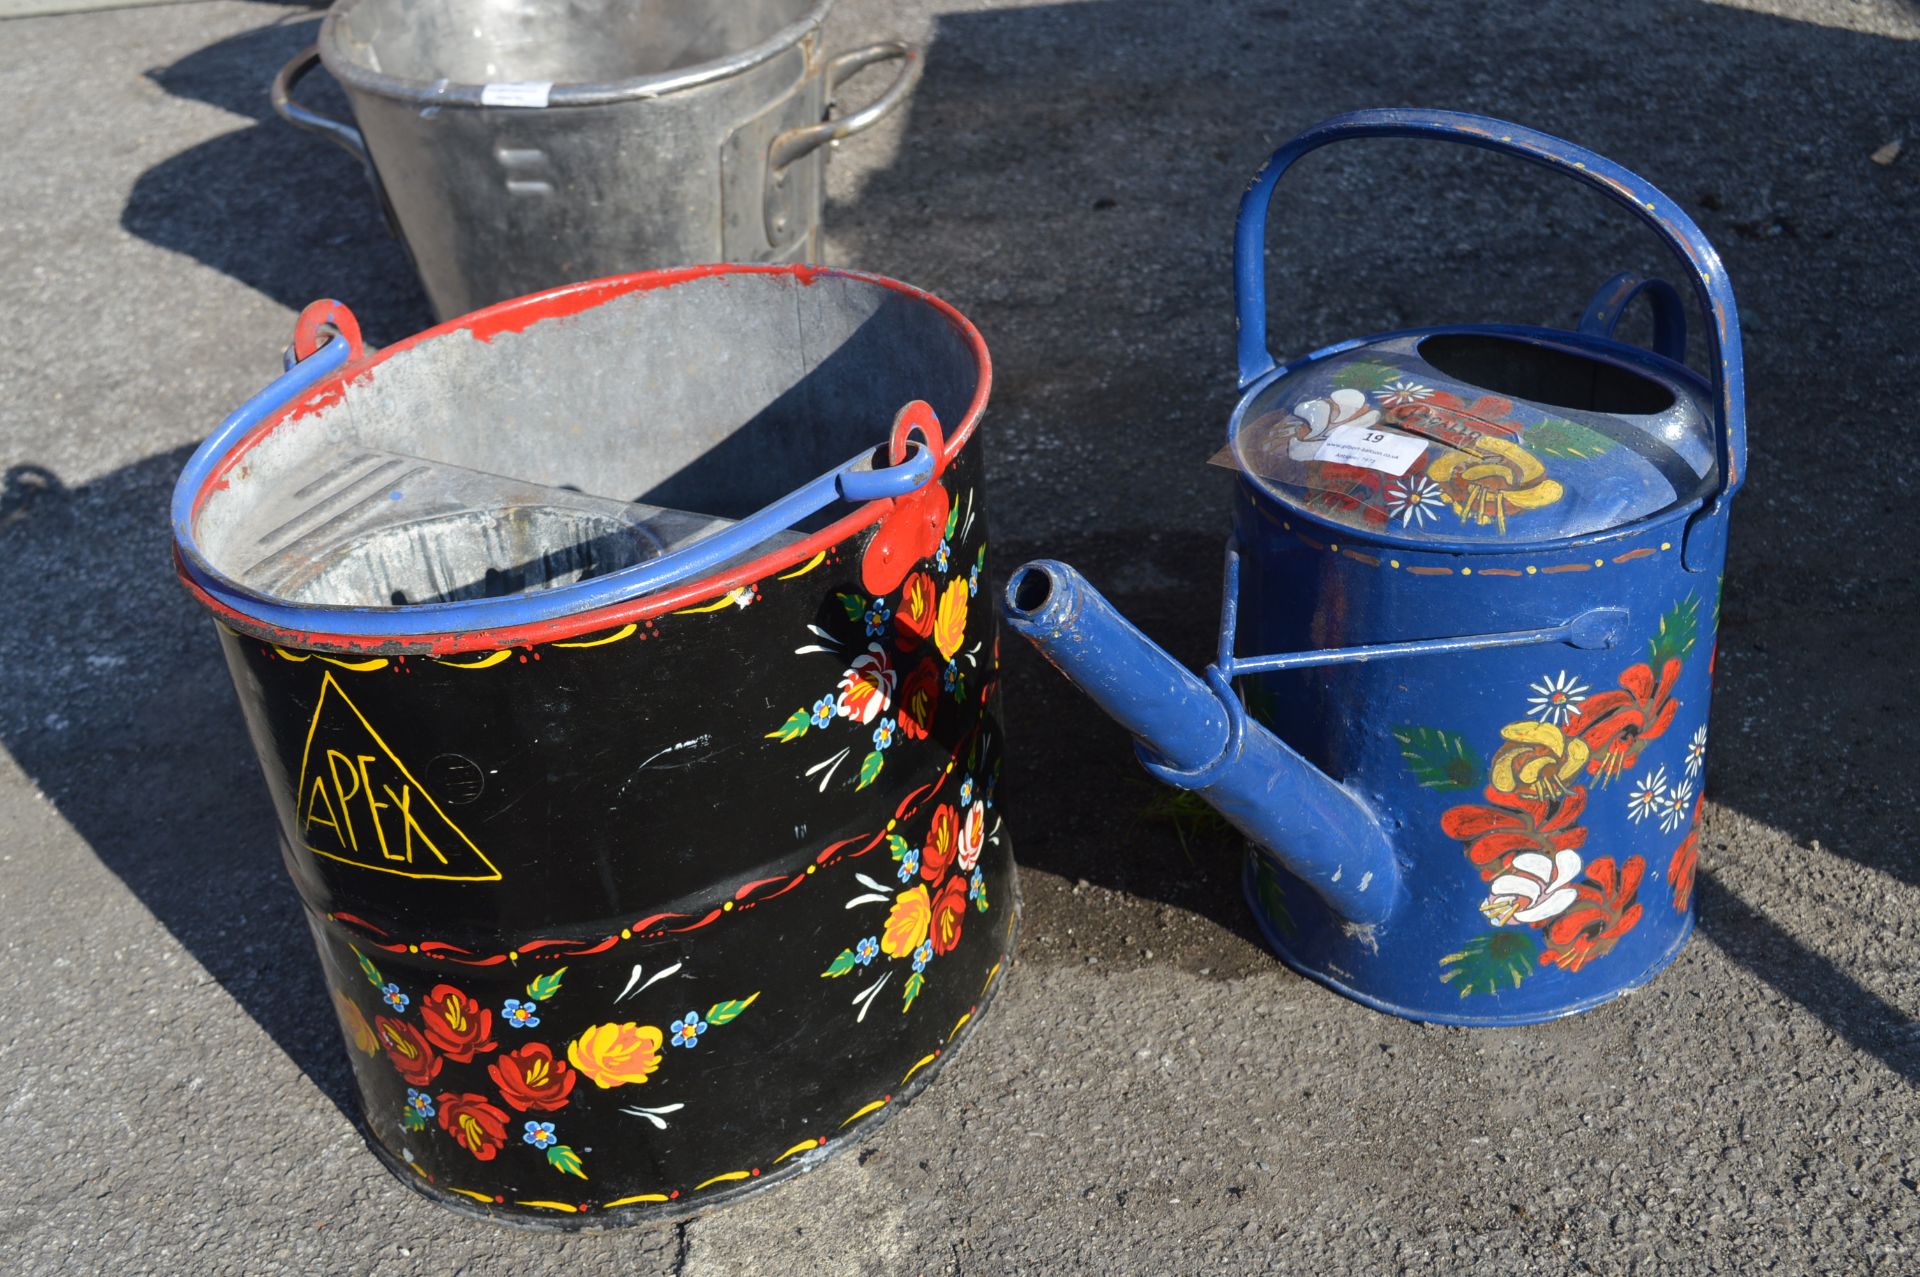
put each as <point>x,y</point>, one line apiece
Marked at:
<point>1514,706</point>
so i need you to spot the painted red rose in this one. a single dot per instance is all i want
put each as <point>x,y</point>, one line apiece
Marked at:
<point>949,911</point>
<point>1685,857</point>
<point>913,619</point>
<point>530,1078</point>
<point>475,1125</point>
<point>1603,910</point>
<point>1515,823</point>
<point>943,843</point>
<point>1617,725</point>
<point>415,1060</point>
<point>456,1024</point>
<point>907,534</point>
<point>919,698</point>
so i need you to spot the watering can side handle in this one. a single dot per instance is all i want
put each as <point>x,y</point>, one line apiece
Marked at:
<point>1624,187</point>
<point>1610,302</point>
<point>795,143</point>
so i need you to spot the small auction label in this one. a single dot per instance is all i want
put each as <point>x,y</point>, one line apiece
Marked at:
<point>532,93</point>
<point>1381,450</point>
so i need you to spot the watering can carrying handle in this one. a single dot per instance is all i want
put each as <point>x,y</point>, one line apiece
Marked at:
<point>1630,191</point>
<point>1610,302</point>
<point>327,338</point>
<point>794,143</point>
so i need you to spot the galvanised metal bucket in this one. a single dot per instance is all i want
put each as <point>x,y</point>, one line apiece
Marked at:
<point>652,855</point>
<point>516,145</point>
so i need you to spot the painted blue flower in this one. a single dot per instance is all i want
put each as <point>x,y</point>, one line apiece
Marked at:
<point>942,556</point>
<point>877,617</point>
<point>883,734</point>
<point>952,676</point>
<point>866,951</point>
<point>520,1015</point>
<point>687,1030</point>
<point>540,1135</point>
<point>395,999</point>
<point>909,866</point>
<point>987,797</point>
<point>923,955</point>
<point>823,711</point>
<point>973,580</point>
<point>966,792</point>
<point>976,886</point>
<point>419,1103</point>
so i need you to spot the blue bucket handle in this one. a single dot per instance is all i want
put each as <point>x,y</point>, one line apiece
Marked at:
<point>327,338</point>
<point>1610,302</point>
<point>1625,188</point>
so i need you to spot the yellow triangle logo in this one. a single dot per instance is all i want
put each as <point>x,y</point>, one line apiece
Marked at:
<point>358,804</point>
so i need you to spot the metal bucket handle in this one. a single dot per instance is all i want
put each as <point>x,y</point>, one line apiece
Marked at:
<point>912,465</point>
<point>1610,302</point>
<point>1625,188</point>
<point>342,134</point>
<point>795,143</point>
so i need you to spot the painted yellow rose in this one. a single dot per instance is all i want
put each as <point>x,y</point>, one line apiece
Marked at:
<point>354,1024</point>
<point>907,924</point>
<point>616,1054</point>
<point>950,623</point>
<point>1537,760</point>
<point>1498,477</point>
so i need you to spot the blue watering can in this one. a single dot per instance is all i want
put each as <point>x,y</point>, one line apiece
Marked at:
<point>1484,566</point>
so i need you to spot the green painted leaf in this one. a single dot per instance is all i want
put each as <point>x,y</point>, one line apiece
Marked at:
<point>915,983</point>
<point>1558,437</point>
<point>542,987</point>
<point>369,970</point>
<point>1491,962</point>
<point>727,1012</point>
<point>855,605</point>
<point>980,897</point>
<point>1365,374</point>
<point>870,768</point>
<point>1679,629</point>
<point>412,1120</point>
<point>980,559</point>
<point>953,519</point>
<point>565,1160</point>
<point>898,847</point>
<point>794,728</point>
<point>839,966</point>
<point>1438,759</point>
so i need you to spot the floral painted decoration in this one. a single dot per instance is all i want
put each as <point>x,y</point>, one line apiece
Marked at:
<point>529,1077</point>
<point>1550,903</point>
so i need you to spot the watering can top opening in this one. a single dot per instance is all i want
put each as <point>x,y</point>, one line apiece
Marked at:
<point>574,460</point>
<point>1479,437</point>
<point>587,53</point>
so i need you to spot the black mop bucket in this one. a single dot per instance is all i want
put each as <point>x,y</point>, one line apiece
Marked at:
<point>641,801</point>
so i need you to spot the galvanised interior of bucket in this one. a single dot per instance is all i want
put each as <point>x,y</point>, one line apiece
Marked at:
<point>578,42</point>
<point>631,897</point>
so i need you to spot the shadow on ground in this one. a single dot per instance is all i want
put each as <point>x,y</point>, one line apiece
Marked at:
<point>1068,176</point>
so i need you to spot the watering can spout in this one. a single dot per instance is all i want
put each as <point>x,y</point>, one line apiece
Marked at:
<point>1194,733</point>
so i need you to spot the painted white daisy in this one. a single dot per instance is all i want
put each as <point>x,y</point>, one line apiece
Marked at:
<point>1649,797</point>
<point>1414,497</point>
<point>1399,393</point>
<point>1697,751</point>
<point>1679,803</point>
<point>1556,699</point>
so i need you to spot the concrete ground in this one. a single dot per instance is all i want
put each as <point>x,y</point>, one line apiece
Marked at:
<point>1152,1093</point>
